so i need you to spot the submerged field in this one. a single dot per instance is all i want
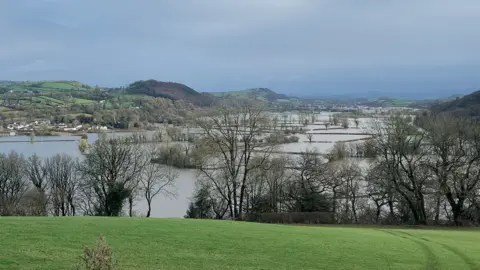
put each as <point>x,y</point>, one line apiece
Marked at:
<point>56,243</point>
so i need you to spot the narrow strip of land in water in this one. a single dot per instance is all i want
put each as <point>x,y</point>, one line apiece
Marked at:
<point>35,141</point>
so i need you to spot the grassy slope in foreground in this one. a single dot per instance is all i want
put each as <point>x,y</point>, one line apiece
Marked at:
<point>56,243</point>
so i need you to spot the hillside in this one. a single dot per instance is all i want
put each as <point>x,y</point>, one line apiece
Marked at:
<point>468,105</point>
<point>264,94</point>
<point>141,243</point>
<point>40,86</point>
<point>170,90</point>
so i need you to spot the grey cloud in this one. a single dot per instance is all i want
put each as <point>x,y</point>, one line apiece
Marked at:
<point>311,45</point>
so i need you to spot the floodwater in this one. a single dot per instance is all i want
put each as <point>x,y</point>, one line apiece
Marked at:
<point>185,183</point>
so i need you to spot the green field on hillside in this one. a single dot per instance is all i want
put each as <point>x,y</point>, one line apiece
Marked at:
<point>47,86</point>
<point>82,101</point>
<point>51,100</point>
<point>140,243</point>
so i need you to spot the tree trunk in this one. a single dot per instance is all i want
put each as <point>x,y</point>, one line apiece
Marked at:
<point>437,210</point>
<point>130,206</point>
<point>149,210</point>
<point>392,211</point>
<point>377,216</point>
<point>334,206</point>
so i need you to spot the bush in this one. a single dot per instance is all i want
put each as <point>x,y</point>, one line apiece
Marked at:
<point>99,257</point>
<point>177,155</point>
<point>280,139</point>
<point>338,152</point>
<point>292,139</point>
<point>292,218</point>
<point>345,123</point>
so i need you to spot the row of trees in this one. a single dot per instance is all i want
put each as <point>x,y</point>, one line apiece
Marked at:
<point>415,174</point>
<point>111,174</point>
<point>423,173</point>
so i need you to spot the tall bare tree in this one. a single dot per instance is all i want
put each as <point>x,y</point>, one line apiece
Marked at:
<point>60,172</point>
<point>108,170</point>
<point>13,183</point>
<point>156,179</point>
<point>309,183</point>
<point>454,159</point>
<point>402,154</point>
<point>37,175</point>
<point>310,137</point>
<point>231,138</point>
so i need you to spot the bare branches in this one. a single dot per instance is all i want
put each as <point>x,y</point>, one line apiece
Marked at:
<point>232,136</point>
<point>110,171</point>
<point>13,183</point>
<point>156,179</point>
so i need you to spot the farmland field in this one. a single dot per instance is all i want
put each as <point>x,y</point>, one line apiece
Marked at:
<point>140,243</point>
<point>82,100</point>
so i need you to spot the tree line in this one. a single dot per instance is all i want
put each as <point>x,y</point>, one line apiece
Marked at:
<point>411,171</point>
<point>425,171</point>
<point>112,174</point>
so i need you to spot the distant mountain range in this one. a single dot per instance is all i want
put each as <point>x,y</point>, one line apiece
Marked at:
<point>177,91</point>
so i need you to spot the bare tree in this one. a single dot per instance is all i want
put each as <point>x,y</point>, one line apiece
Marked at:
<point>13,183</point>
<point>230,140</point>
<point>348,174</point>
<point>310,137</point>
<point>326,124</point>
<point>60,172</point>
<point>401,155</point>
<point>37,175</point>
<point>266,185</point>
<point>108,170</point>
<point>381,191</point>
<point>308,185</point>
<point>156,179</point>
<point>454,160</point>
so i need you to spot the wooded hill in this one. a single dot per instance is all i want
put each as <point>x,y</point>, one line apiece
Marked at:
<point>468,105</point>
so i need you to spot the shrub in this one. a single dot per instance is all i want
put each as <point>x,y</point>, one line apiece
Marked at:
<point>99,257</point>
<point>345,123</point>
<point>177,155</point>
<point>338,152</point>
<point>279,139</point>
<point>292,217</point>
<point>292,139</point>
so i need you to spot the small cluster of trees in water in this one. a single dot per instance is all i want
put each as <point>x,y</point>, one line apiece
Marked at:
<point>425,171</point>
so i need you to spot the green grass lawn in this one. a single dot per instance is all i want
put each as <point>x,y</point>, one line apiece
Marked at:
<point>56,243</point>
<point>82,100</point>
<point>60,85</point>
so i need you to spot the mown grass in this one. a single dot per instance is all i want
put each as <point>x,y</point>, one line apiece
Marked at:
<point>82,100</point>
<point>56,243</point>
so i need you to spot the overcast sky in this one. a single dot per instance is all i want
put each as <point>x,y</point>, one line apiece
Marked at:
<point>291,46</point>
